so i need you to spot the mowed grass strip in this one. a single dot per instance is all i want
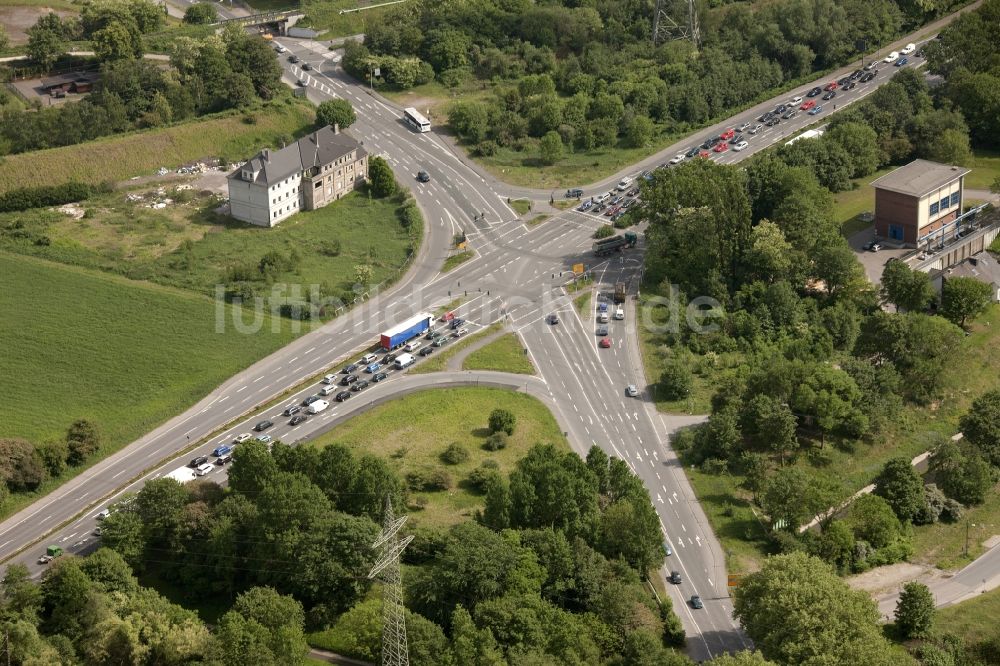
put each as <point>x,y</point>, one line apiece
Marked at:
<point>126,355</point>
<point>412,433</point>
<point>439,360</point>
<point>974,620</point>
<point>505,354</point>
<point>138,153</point>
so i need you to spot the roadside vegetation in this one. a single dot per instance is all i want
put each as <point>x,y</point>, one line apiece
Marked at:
<point>578,92</point>
<point>438,361</point>
<point>505,354</point>
<point>456,260</point>
<point>473,568</point>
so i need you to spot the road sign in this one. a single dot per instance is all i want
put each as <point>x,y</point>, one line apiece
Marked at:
<point>734,579</point>
<point>578,268</point>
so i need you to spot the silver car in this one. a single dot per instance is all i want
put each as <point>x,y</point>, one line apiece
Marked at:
<point>631,391</point>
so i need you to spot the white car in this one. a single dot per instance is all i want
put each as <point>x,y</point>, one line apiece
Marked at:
<point>742,145</point>
<point>631,391</point>
<point>624,184</point>
<point>796,100</point>
<point>620,314</point>
<point>891,57</point>
<point>677,159</point>
<point>602,318</point>
<point>743,127</point>
<point>908,49</point>
<point>204,469</point>
<point>756,128</point>
<point>279,48</point>
<point>104,514</point>
<point>368,358</point>
<point>412,346</point>
<point>239,439</point>
<point>329,379</point>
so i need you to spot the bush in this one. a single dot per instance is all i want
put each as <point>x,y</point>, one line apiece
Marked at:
<point>83,440</point>
<point>604,231</point>
<point>381,182</point>
<point>427,480</point>
<point>675,381</point>
<point>20,465</point>
<point>330,248</point>
<point>477,477</point>
<point>25,198</point>
<point>455,454</point>
<point>502,419</point>
<point>409,215</point>
<point>201,13</point>
<point>496,441</point>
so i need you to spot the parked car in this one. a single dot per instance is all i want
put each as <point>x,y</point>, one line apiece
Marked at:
<point>875,247</point>
<point>742,145</point>
<point>830,95</point>
<point>298,419</point>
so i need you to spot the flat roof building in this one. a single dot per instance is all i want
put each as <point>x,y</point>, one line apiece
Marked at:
<point>914,202</point>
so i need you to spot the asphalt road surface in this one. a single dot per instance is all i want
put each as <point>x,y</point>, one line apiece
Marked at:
<point>518,275</point>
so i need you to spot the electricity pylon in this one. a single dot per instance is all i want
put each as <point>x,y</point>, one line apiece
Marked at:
<point>666,27</point>
<point>394,649</point>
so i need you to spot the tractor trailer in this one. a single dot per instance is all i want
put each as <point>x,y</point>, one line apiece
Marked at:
<point>615,243</point>
<point>402,333</point>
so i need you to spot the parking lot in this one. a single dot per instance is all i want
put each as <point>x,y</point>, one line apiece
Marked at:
<point>873,262</point>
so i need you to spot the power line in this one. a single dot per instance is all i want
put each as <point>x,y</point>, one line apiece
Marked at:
<point>394,647</point>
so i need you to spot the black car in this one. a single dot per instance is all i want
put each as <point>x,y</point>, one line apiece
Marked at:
<point>706,145</point>
<point>829,95</point>
<point>198,462</point>
<point>919,54</point>
<point>772,122</point>
<point>310,400</point>
<point>455,323</point>
<point>857,74</point>
<point>291,410</point>
<point>379,376</point>
<point>850,85</point>
<point>781,108</point>
<point>694,151</point>
<point>306,66</point>
<point>423,177</point>
<point>297,419</point>
<point>348,380</point>
<point>814,92</point>
<point>388,358</point>
<point>360,386</point>
<point>350,368</point>
<point>736,139</point>
<point>553,318</point>
<point>696,602</point>
<point>293,58</point>
<point>789,114</point>
<point>842,82</point>
<point>867,77</point>
<point>343,395</point>
<point>675,577</point>
<point>426,351</point>
<point>263,425</point>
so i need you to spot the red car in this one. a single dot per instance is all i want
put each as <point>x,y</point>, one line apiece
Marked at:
<point>808,104</point>
<point>704,153</point>
<point>605,343</point>
<point>831,86</point>
<point>721,147</point>
<point>611,211</point>
<point>728,134</point>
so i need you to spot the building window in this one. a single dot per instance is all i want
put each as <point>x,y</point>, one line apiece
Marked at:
<point>945,203</point>
<point>954,199</point>
<point>934,209</point>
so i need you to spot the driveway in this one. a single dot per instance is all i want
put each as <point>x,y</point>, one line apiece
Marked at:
<point>873,262</point>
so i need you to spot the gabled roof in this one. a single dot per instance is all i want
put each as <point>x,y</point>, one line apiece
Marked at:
<point>919,177</point>
<point>316,149</point>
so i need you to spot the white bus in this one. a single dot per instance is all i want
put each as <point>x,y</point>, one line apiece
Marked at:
<point>415,120</point>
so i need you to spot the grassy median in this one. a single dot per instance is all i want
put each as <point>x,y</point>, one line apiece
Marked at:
<point>505,354</point>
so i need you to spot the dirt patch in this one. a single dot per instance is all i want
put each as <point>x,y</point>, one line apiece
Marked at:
<point>17,20</point>
<point>888,578</point>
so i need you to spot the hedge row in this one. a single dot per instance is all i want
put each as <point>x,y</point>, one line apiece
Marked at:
<point>25,198</point>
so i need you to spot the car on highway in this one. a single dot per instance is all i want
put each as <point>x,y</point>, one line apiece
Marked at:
<point>372,368</point>
<point>808,104</point>
<point>280,49</point>
<point>306,66</point>
<point>293,58</point>
<point>675,577</point>
<point>441,341</point>
<point>624,184</point>
<point>455,323</point>
<point>795,101</point>
<point>460,332</point>
<point>667,550</point>
<point>742,145</point>
<point>721,147</point>
<point>788,115</point>
<point>367,358</point>
<point>708,143</point>
<point>431,334</point>
<point>727,135</point>
<point>388,358</point>
<point>221,450</point>
<point>602,329</point>
<point>291,410</point>
<point>379,376</point>
<point>902,61</point>
<point>349,379</point>
<point>678,158</point>
<point>107,512</point>
<point>772,122</point>
<point>843,82</point>
<point>872,66</point>
<point>756,128</point>
<point>612,210</point>
<point>585,206</point>
<point>743,127</point>
<point>631,391</point>
<point>692,152</point>
<point>704,154</point>
<point>605,343</point>
<point>198,462</point>
<point>620,314</point>
<point>327,390</point>
<point>329,379</point>
<point>349,368</point>
<point>696,602</point>
<point>830,95</point>
<point>908,49</point>
<point>892,57</point>
<point>857,74</point>
<point>226,459</point>
<point>867,77</point>
<point>97,531</point>
<point>919,53</point>
<point>850,85</point>
<point>363,384</point>
<point>423,177</point>
<point>552,319</point>
<point>815,111</point>
<point>264,439</point>
<point>574,193</point>
<point>814,92</point>
<point>830,86</point>
<point>204,469</point>
<point>426,351</point>
<point>242,437</point>
<point>628,203</point>
<point>736,139</point>
<point>298,419</point>
<point>603,317</point>
<point>343,395</point>
<point>263,425</point>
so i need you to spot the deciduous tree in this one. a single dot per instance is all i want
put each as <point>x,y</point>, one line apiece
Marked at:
<point>915,610</point>
<point>981,425</point>
<point>964,297</point>
<point>336,112</point>
<point>901,486</point>
<point>380,178</point>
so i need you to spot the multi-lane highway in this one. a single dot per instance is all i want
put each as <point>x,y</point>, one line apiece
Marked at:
<point>518,275</point>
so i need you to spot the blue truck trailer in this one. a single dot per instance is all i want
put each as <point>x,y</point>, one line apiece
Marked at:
<point>399,335</point>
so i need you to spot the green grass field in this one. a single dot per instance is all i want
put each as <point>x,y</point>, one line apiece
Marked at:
<point>133,240</point>
<point>985,167</point>
<point>325,16</point>
<point>848,205</point>
<point>520,206</point>
<point>439,360</point>
<point>974,620</point>
<point>538,219</point>
<point>582,303</point>
<point>456,260</point>
<point>125,355</point>
<point>120,157</point>
<point>413,431</point>
<point>505,354</point>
